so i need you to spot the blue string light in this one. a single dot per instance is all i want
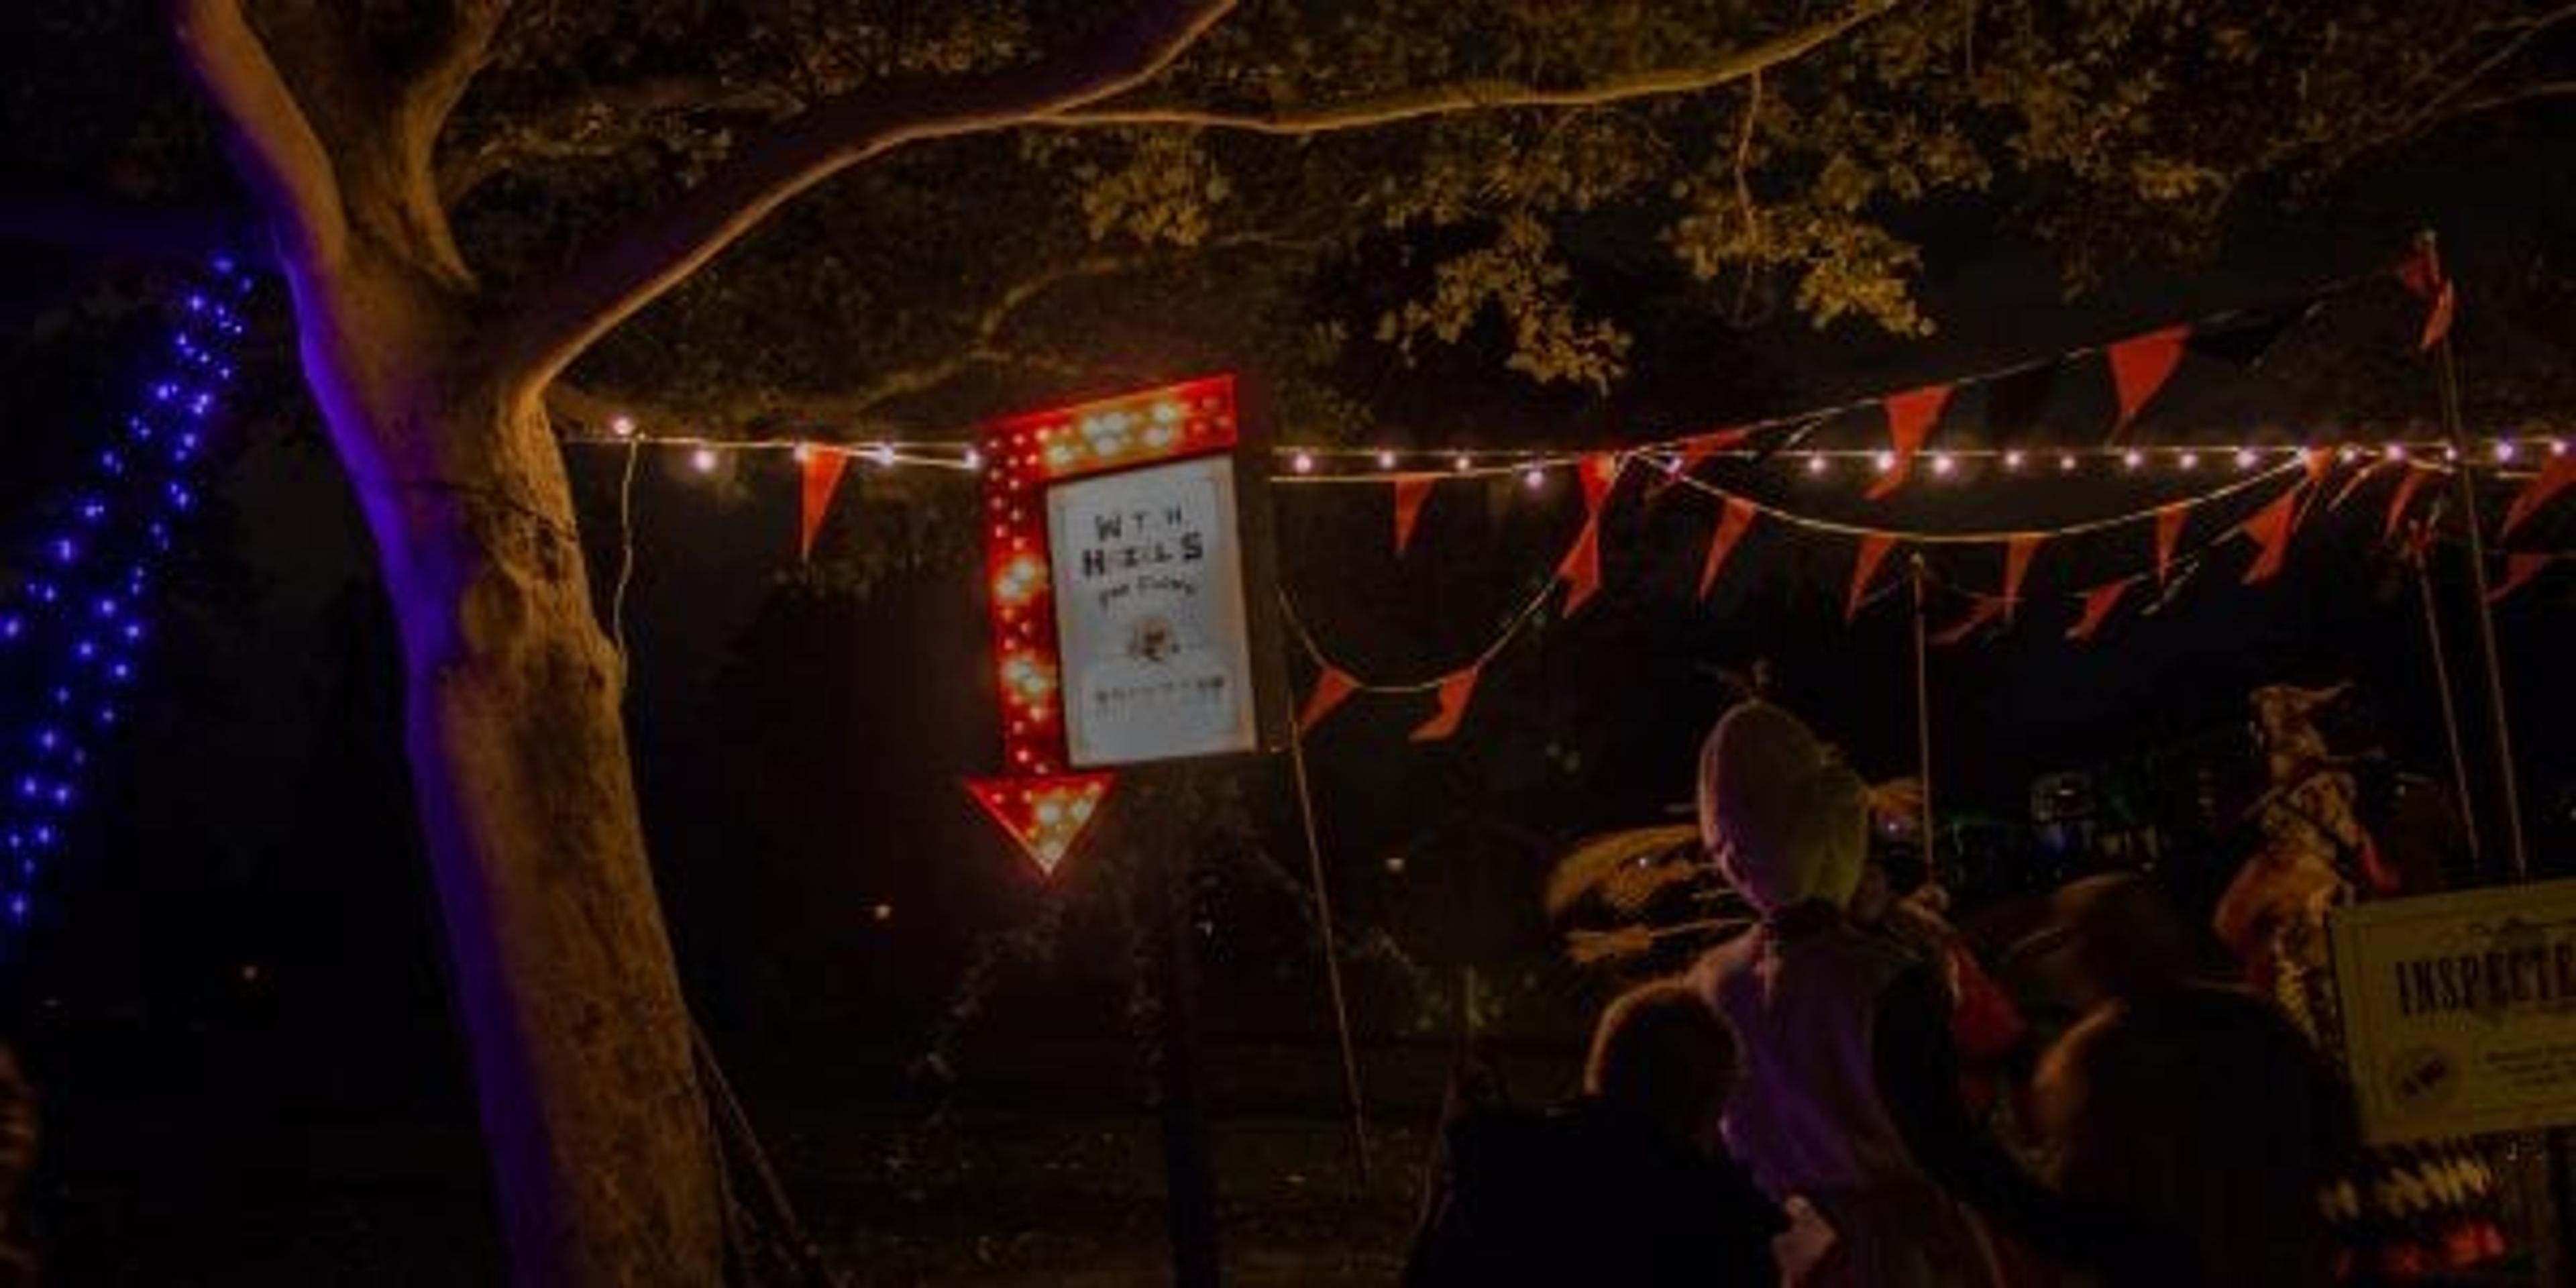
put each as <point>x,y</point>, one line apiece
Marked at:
<point>73,631</point>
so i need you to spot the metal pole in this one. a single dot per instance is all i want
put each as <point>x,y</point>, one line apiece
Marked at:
<point>1332,958</point>
<point>2465,493</point>
<point>2450,708</point>
<point>1923,725</point>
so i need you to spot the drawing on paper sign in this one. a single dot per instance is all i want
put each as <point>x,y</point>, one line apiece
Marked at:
<point>1150,614</point>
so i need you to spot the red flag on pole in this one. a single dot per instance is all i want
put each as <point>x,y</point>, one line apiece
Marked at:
<point>2169,521</point>
<point>2270,529</point>
<point>2017,556</point>
<point>2555,477</point>
<point>1332,688</point>
<point>1909,422</point>
<point>1874,548</point>
<point>2421,274</point>
<point>822,476</point>
<point>2098,603</point>
<point>1453,693</point>
<point>1731,527</point>
<point>2140,365</point>
<point>1986,609</point>
<point>1411,490</point>
<point>2519,569</point>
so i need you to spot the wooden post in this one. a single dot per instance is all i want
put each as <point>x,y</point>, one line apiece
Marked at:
<point>1188,1165</point>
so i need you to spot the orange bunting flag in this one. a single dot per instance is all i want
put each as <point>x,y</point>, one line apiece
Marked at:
<point>2519,569</point>
<point>1909,422</point>
<point>1332,689</point>
<point>1454,693</point>
<point>2359,477</point>
<point>1874,548</point>
<point>1600,474</point>
<point>2098,603</point>
<point>1411,490</point>
<point>1581,568</point>
<point>2406,487</point>
<point>822,477</point>
<point>2140,365</point>
<point>2555,477</point>
<point>2017,556</point>
<point>1987,609</point>
<point>1731,527</point>
<point>2169,521</point>
<point>2270,530</point>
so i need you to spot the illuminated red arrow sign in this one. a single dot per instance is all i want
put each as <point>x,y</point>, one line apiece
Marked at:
<point>1046,815</point>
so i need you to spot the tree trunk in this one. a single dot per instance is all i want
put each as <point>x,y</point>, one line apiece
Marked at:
<point>565,988</point>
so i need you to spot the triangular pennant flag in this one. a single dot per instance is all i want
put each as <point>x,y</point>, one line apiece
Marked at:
<point>1731,527</point>
<point>2555,477</point>
<point>1580,570</point>
<point>1909,422</point>
<point>2406,487</point>
<point>2519,569</point>
<point>2017,556</point>
<point>2270,530</point>
<point>1332,689</point>
<point>1873,552</point>
<point>2098,603</point>
<point>822,476</point>
<point>2320,464</point>
<point>1986,609</point>
<point>2140,365</point>
<point>1046,815</point>
<point>1411,490</point>
<point>2169,521</point>
<point>2015,402</point>
<point>2359,477</point>
<point>1600,474</point>
<point>1454,693</point>
<point>2243,338</point>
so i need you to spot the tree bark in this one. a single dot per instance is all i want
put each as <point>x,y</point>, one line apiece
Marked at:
<point>565,988</point>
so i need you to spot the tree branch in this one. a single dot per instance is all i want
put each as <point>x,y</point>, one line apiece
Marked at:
<point>1400,106</point>
<point>2515,98</point>
<point>289,172</point>
<point>609,284</point>
<point>457,52</point>
<point>599,124</point>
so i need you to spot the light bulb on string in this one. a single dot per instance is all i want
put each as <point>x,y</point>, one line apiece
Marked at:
<point>2395,451</point>
<point>2504,449</point>
<point>1535,477</point>
<point>1815,462</point>
<point>622,425</point>
<point>2558,447</point>
<point>2133,458</point>
<point>882,454</point>
<point>1462,463</point>
<point>2066,463</point>
<point>1303,463</point>
<point>802,453</point>
<point>703,460</point>
<point>2013,459</point>
<point>2189,460</point>
<point>2245,458</point>
<point>1884,460</point>
<point>973,459</point>
<point>1943,463</point>
<point>1385,460</point>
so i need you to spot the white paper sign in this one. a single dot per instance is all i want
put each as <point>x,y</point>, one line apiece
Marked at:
<point>2460,1010</point>
<point>1156,660</point>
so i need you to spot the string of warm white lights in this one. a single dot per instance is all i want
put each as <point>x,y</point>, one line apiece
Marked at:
<point>1325,465</point>
<point>72,634</point>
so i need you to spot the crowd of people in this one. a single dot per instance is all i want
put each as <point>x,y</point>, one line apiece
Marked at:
<point>1841,1095</point>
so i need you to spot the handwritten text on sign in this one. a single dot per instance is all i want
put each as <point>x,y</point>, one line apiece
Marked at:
<point>1149,614</point>
<point>2460,1010</point>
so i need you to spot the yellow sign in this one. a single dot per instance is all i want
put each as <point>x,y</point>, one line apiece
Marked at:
<point>2460,1010</point>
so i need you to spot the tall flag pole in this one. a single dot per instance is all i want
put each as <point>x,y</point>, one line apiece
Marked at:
<point>1923,722</point>
<point>2464,493</point>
